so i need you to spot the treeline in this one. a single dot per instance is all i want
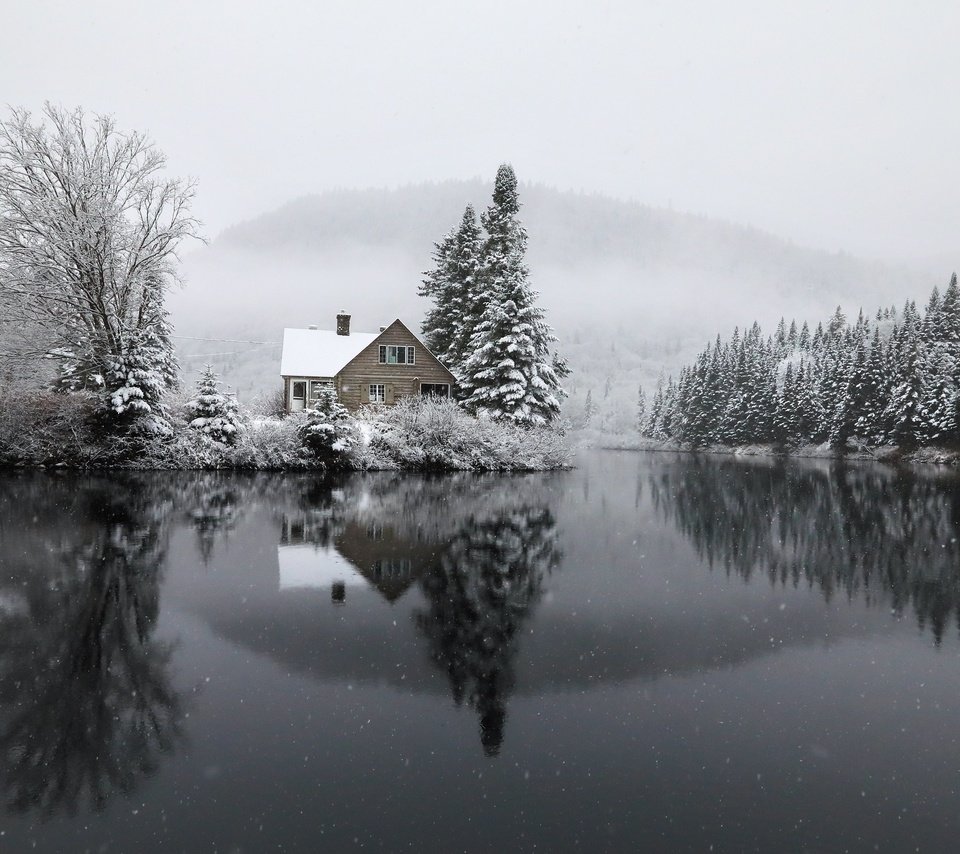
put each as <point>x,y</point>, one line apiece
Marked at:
<point>893,380</point>
<point>884,537</point>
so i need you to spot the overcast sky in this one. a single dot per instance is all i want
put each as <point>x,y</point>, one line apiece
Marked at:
<point>834,124</point>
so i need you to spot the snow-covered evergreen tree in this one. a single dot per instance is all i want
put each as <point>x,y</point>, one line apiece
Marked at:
<point>859,380</point>
<point>510,372</point>
<point>214,413</point>
<point>452,286</point>
<point>327,432</point>
<point>589,409</point>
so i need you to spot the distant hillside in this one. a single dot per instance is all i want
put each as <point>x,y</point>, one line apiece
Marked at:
<point>654,281</point>
<point>566,229</point>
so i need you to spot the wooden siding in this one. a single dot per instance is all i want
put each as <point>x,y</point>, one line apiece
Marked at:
<point>398,380</point>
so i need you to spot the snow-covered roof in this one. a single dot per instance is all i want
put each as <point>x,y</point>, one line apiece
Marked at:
<point>320,352</point>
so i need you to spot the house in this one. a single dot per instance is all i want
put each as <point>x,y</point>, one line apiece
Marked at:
<point>363,367</point>
<point>352,553</point>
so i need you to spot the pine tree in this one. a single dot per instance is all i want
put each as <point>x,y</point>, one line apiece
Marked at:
<point>214,413</point>
<point>785,419</point>
<point>437,284</point>
<point>452,285</point>
<point>905,410</point>
<point>510,373</point>
<point>589,409</point>
<point>326,432</point>
<point>654,424</point>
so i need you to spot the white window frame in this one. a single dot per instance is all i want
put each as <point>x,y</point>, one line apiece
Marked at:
<point>377,393</point>
<point>410,354</point>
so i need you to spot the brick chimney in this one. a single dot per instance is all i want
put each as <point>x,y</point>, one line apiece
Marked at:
<point>343,324</point>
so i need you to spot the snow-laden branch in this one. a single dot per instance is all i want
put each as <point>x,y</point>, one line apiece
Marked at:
<point>89,229</point>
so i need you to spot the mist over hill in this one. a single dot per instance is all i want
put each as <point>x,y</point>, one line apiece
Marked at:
<point>631,290</point>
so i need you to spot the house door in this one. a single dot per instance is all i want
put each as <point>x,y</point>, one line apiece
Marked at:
<point>298,395</point>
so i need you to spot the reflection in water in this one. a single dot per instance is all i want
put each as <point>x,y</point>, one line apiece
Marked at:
<point>213,503</point>
<point>479,550</point>
<point>890,537</point>
<point>86,706</point>
<point>480,593</point>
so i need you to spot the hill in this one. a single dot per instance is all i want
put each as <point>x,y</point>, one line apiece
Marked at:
<point>630,289</point>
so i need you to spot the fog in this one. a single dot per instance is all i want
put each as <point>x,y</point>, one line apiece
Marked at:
<point>832,124</point>
<point>715,164</point>
<point>633,291</point>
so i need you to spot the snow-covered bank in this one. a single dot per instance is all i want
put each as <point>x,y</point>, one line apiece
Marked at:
<point>419,434</point>
<point>883,453</point>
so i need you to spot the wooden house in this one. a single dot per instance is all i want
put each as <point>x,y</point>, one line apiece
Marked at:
<point>363,367</point>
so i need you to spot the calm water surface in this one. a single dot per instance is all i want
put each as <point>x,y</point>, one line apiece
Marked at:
<point>652,652</point>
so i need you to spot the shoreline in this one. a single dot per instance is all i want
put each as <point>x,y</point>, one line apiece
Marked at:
<point>887,454</point>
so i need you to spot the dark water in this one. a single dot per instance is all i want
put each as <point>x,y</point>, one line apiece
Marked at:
<point>648,653</point>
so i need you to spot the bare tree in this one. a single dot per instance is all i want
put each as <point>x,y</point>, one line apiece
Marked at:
<point>89,230</point>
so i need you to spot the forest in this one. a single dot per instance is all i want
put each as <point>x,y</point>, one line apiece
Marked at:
<point>889,380</point>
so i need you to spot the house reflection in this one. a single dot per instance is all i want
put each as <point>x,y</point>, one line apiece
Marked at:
<point>337,555</point>
<point>477,568</point>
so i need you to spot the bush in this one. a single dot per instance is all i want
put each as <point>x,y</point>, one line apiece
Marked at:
<point>428,433</point>
<point>419,433</point>
<point>265,444</point>
<point>46,428</point>
<point>214,413</point>
<point>328,432</point>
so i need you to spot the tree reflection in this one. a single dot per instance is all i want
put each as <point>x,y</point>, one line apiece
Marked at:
<point>887,536</point>
<point>480,594</point>
<point>478,548</point>
<point>85,696</point>
<point>213,504</point>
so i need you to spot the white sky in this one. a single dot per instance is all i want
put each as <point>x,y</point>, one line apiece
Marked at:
<point>834,124</point>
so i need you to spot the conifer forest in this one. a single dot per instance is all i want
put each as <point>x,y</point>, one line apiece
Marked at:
<point>890,379</point>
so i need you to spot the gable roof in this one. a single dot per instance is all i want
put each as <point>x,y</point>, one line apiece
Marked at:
<point>320,352</point>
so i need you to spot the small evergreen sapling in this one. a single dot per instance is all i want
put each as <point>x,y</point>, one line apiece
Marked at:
<point>327,431</point>
<point>214,413</point>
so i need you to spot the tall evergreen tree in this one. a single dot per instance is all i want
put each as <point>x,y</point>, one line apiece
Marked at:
<point>511,372</point>
<point>452,285</point>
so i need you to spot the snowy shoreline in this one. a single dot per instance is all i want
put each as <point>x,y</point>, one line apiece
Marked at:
<point>889,454</point>
<point>419,435</point>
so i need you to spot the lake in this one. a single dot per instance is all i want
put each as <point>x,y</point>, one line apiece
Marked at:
<point>650,652</point>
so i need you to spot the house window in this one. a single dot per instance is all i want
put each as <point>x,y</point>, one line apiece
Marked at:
<point>392,567</point>
<point>391,354</point>
<point>378,393</point>
<point>435,389</point>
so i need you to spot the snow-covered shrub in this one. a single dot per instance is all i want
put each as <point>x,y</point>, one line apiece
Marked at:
<point>45,428</point>
<point>214,413</point>
<point>265,443</point>
<point>328,433</point>
<point>435,433</point>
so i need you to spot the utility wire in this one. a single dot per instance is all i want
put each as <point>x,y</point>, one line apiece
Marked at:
<point>227,340</point>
